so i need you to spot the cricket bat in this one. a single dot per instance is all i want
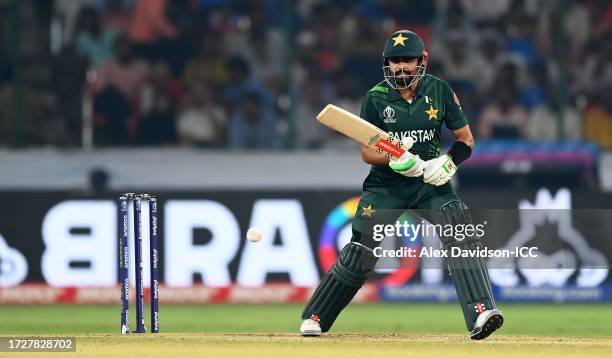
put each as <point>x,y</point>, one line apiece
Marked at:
<point>363,131</point>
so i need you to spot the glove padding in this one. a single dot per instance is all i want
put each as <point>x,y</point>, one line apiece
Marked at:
<point>438,171</point>
<point>408,165</point>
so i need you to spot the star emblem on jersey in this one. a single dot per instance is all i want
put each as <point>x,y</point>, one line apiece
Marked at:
<point>399,40</point>
<point>367,211</point>
<point>432,112</point>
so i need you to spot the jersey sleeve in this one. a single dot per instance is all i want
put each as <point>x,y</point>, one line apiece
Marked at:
<point>453,116</point>
<point>369,111</point>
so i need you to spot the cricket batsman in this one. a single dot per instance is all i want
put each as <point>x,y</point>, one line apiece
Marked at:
<point>410,103</point>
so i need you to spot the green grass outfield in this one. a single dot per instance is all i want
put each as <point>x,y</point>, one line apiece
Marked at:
<point>258,330</point>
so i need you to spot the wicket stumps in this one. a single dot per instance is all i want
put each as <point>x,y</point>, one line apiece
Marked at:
<point>154,262</point>
<point>123,228</point>
<point>124,258</point>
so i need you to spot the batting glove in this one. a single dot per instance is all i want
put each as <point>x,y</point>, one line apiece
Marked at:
<point>408,165</point>
<point>438,171</point>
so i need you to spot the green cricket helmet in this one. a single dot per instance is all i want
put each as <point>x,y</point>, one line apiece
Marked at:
<point>404,44</point>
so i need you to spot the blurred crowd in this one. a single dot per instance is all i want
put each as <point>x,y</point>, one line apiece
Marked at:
<point>253,74</point>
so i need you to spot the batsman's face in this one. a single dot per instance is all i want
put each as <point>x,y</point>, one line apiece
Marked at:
<point>403,66</point>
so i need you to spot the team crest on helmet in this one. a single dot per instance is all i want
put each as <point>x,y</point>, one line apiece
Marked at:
<point>399,40</point>
<point>389,114</point>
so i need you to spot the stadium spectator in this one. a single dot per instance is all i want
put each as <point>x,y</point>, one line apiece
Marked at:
<point>547,122</point>
<point>521,32</point>
<point>597,72</point>
<point>67,11</point>
<point>149,23</point>
<point>536,90</point>
<point>543,51</point>
<point>117,17</point>
<point>361,58</point>
<point>504,117</point>
<point>151,29</point>
<point>251,126</point>
<point>512,73</point>
<point>601,12</point>
<point>241,82</point>
<point>112,114</point>
<point>120,84</point>
<point>264,57</point>
<point>598,118</point>
<point>309,133</point>
<point>162,80</point>
<point>124,72</point>
<point>459,66</point>
<point>577,27</point>
<point>158,125</point>
<point>93,41</point>
<point>451,19</point>
<point>486,12</point>
<point>208,65</point>
<point>202,122</point>
<point>487,58</point>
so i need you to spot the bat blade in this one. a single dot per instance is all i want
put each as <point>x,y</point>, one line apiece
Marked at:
<point>363,131</point>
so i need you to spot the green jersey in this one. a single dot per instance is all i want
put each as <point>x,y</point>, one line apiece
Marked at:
<point>421,118</point>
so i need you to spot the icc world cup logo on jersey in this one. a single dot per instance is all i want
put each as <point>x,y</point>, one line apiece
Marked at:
<point>389,115</point>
